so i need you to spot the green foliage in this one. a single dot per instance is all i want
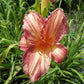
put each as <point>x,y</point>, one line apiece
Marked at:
<point>69,72</point>
<point>37,6</point>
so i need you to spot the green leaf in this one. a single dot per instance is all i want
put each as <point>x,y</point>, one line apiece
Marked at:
<point>71,82</point>
<point>5,66</point>
<point>6,52</point>
<point>22,76</point>
<point>81,28</point>
<point>13,73</point>
<point>67,73</point>
<point>79,74</point>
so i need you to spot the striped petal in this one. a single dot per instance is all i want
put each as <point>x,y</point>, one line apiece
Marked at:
<point>59,52</point>
<point>35,63</point>
<point>56,25</point>
<point>32,25</point>
<point>23,43</point>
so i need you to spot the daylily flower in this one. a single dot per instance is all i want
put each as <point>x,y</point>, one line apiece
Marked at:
<point>40,42</point>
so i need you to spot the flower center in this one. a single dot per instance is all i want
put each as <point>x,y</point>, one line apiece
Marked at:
<point>44,43</point>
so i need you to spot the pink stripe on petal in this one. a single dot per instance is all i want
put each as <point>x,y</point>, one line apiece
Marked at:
<point>35,63</point>
<point>31,40</point>
<point>62,31</point>
<point>32,26</point>
<point>32,22</point>
<point>23,43</point>
<point>56,25</point>
<point>59,52</point>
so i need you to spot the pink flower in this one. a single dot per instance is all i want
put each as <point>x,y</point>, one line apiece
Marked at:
<point>40,42</point>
